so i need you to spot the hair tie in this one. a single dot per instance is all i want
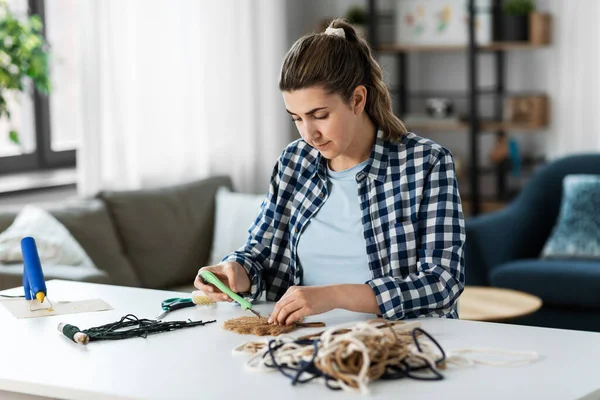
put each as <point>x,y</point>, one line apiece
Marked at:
<point>336,32</point>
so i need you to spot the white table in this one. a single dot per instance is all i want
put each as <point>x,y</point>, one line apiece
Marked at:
<point>198,362</point>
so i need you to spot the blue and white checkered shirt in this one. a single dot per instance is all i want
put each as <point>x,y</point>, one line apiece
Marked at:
<point>412,218</point>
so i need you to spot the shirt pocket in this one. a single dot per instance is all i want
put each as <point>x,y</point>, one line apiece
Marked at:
<point>402,248</point>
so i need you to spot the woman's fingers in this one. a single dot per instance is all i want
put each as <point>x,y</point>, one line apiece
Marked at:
<point>230,272</point>
<point>285,300</point>
<point>295,316</point>
<point>200,285</point>
<point>285,311</point>
<point>212,292</point>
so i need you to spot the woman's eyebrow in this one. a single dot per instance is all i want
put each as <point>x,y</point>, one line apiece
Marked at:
<point>314,110</point>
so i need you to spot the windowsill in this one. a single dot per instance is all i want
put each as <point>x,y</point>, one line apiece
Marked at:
<point>37,180</point>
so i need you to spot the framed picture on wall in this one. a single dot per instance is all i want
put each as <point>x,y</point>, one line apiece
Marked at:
<point>441,22</point>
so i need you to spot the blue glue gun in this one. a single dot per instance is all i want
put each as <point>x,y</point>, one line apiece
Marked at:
<point>33,276</point>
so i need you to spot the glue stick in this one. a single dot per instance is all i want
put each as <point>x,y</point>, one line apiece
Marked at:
<point>33,276</point>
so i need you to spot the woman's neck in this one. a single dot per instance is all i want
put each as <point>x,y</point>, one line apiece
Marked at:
<point>360,148</point>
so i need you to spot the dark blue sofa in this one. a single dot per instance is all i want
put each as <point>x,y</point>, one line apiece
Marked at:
<point>503,249</point>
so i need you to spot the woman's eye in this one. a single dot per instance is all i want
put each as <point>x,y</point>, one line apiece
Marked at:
<point>321,116</point>
<point>296,119</point>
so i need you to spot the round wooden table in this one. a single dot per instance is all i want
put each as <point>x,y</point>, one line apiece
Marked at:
<point>483,303</point>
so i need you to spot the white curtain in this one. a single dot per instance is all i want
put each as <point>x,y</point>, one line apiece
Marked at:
<point>175,91</point>
<point>572,65</point>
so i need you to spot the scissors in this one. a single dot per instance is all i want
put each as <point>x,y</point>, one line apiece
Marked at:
<point>174,303</point>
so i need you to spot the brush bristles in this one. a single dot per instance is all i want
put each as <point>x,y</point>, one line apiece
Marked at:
<point>202,300</point>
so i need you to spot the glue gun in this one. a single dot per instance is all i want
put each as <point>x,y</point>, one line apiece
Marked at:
<point>33,276</point>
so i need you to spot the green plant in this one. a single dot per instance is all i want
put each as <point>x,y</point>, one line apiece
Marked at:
<point>24,55</point>
<point>518,7</point>
<point>357,15</point>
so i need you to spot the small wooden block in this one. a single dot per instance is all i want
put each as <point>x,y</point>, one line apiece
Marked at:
<point>539,28</point>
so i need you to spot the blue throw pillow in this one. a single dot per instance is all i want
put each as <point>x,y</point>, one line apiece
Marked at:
<point>577,233</point>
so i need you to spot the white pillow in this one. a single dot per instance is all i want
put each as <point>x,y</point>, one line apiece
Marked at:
<point>234,214</point>
<point>55,244</point>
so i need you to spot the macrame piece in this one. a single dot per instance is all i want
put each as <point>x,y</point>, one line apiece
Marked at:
<point>260,326</point>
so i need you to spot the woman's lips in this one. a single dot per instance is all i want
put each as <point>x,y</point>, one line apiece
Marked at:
<point>322,146</point>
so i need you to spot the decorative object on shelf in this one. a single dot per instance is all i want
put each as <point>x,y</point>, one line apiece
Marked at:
<point>514,154</point>
<point>539,28</point>
<point>500,152</point>
<point>357,16</point>
<point>529,111</point>
<point>441,22</point>
<point>514,21</point>
<point>23,56</point>
<point>506,159</point>
<point>439,107</point>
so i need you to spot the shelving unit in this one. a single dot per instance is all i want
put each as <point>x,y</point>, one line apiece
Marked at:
<point>475,124</point>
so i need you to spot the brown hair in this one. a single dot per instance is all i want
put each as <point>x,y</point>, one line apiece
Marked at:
<point>339,65</point>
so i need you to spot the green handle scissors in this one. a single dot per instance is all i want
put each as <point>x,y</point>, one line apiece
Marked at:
<point>174,303</point>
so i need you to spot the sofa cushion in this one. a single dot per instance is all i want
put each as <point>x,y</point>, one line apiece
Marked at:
<point>167,232</point>
<point>234,215</point>
<point>12,275</point>
<point>55,244</point>
<point>577,232</point>
<point>90,224</point>
<point>556,282</point>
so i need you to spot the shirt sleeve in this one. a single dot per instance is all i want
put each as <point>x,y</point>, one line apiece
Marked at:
<point>439,277</point>
<point>255,255</point>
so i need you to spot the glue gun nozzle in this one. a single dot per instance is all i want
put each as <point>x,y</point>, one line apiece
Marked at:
<point>40,297</point>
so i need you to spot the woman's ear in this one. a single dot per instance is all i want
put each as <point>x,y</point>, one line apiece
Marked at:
<point>359,99</point>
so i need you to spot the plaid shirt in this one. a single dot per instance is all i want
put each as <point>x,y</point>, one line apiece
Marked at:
<point>412,218</point>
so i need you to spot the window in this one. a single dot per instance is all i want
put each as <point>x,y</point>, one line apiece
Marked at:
<point>48,126</point>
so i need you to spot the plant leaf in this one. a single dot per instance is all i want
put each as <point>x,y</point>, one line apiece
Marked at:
<point>14,137</point>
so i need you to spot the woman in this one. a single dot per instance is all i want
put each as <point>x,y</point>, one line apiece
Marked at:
<point>360,214</point>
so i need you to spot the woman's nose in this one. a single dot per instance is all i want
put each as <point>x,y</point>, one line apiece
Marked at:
<point>309,131</point>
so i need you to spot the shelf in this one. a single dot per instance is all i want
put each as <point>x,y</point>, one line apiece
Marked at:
<point>463,94</point>
<point>497,46</point>
<point>463,126</point>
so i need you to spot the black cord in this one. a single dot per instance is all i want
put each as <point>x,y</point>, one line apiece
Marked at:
<point>131,326</point>
<point>306,367</point>
<point>11,297</point>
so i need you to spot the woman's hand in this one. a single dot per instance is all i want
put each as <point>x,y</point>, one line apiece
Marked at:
<point>301,301</point>
<point>232,274</point>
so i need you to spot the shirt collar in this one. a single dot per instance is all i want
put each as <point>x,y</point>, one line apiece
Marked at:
<point>377,166</point>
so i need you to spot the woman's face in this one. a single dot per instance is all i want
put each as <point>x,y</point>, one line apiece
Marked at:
<point>324,120</point>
